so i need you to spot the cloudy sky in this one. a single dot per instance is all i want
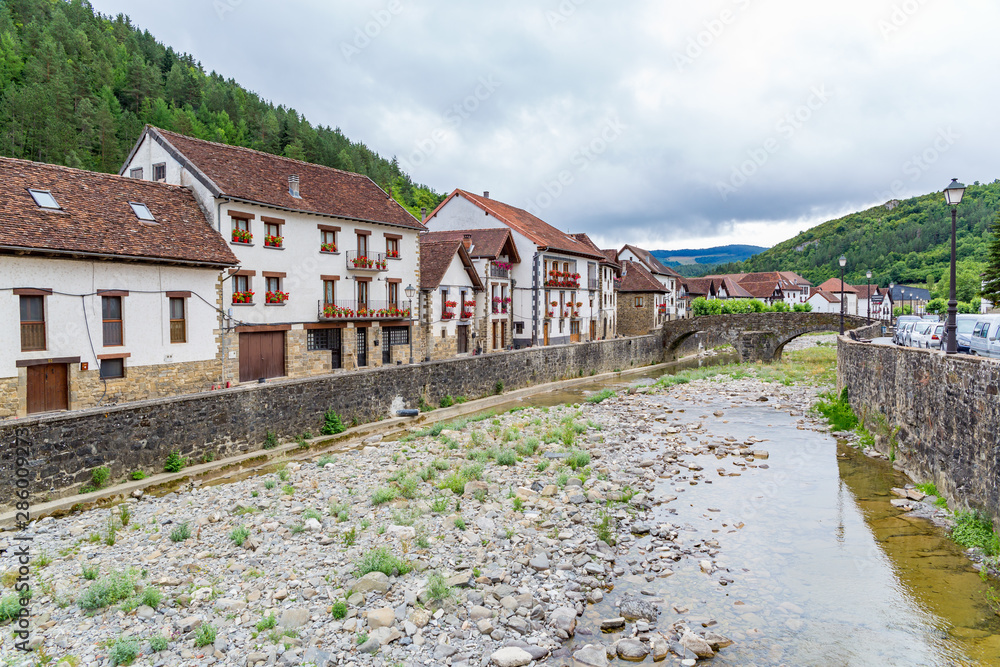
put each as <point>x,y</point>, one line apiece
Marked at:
<point>660,122</point>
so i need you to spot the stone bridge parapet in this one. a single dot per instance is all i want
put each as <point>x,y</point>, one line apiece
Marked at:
<point>756,336</point>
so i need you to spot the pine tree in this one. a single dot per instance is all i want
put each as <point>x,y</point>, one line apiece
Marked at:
<point>991,277</point>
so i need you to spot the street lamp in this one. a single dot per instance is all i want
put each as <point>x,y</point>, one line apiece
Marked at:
<point>410,293</point>
<point>869,286</point>
<point>953,195</point>
<point>843,263</point>
<point>892,286</point>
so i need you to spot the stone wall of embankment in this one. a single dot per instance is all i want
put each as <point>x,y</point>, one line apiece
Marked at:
<point>64,449</point>
<point>946,409</point>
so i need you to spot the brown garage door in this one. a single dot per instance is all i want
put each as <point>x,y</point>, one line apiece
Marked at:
<point>47,388</point>
<point>262,355</point>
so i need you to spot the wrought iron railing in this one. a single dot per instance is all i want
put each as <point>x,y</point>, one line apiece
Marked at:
<point>351,309</point>
<point>369,262</point>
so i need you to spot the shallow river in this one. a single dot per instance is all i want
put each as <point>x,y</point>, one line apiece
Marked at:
<point>825,570</point>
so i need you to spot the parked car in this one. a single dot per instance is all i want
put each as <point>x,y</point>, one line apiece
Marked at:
<point>908,333</point>
<point>985,335</point>
<point>920,334</point>
<point>966,323</point>
<point>936,338</point>
<point>901,321</point>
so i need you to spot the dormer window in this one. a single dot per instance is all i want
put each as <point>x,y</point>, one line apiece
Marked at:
<point>293,186</point>
<point>142,212</point>
<point>45,199</point>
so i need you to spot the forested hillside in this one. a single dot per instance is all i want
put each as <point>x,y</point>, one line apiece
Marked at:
<point>76,88</point>
<point>906,242</point>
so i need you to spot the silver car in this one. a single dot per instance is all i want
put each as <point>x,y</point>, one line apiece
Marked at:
<point>920,334</point>
<point>936,338</point>
<point>901,322</point>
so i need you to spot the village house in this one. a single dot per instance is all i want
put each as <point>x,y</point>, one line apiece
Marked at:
<point>325,256</point>
<point>555,284</point>
<point>116,286</point>
<point>640,300</point>
<point>603,322</point>
<point>667,277</point>
<point>494,256</point>
<point>823,301</point>
<point>844,292</point>
<point>452,301</point>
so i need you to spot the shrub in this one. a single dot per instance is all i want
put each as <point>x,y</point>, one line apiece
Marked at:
<point>339,610</point>
<point>239,535</point>
<point>269,484</point>
<point>268,622</point>
<point>270,440</point>
<point>10,607</point>
<point>974,530</point>
<point>439,505</point>
<point>507,457</point>
<point>89,572</point>
<point>312,513</point>
<point>109,589</point>
<point>124,514</point>
<point>175,462</point>
<point>383,494</point>
<point>158,643</point>
<point>332,423</point>
<point>837,411</point>
<point>455,481</point>
<point>447,402</point>
<point>99,477</point>
<point>151,597</point>
<point>381,560</point>
<point>518,504</point>
<point>350,537</point>
<point>473,471</point>
<point>601,396</point>
<point>460,523</point>
<point>498,387</point>
<point>123,651</point>
<point>180,533</point>
<point>578,460</point>
<point>324,460</point>
<point>205,635</point>
<point>542,465</point>
<point>139,474</point>
<point>437,587</point>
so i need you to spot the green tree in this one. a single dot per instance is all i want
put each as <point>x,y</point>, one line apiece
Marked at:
<point>990,289</point>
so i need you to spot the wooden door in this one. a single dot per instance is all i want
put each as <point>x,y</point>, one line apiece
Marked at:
<point>362,347</point>
<point>48,388</point>
<point>504,341</point>
<point>463,339</point>
<point>262,355</point>
<point>496,328</point>
<point>545,334</point>
<point>593,330</point>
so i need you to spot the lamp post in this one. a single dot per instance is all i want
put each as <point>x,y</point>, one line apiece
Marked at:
<point>843,263</point>
<point>869,286</point>
<point>953,195</point>
<point>892,285</point>
<point>410,293</point>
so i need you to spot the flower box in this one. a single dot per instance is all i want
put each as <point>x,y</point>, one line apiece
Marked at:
<point>337,311</point>
<point>363,262</point>
<point>272,241</point>
<point>242,236</point>
<point>328,247</point>
<point>470,304</point>
<point>276,297</point>
<point>548,314</point>
<point>447,316</point>
<point>392,254</point>
<point>503,266</point>
<point>466,315</point>
<point>243,297</point>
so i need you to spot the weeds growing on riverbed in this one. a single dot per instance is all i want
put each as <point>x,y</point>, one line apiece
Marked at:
<point>973,529</point>
<point>837,410</point>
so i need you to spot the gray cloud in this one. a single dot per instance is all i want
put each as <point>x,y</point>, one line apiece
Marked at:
<point>700,94</point>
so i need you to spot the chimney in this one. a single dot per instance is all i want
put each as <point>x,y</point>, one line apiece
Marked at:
<point>467,241</point>
<point>486,195</point>
<point>423,214</point>
<point>293,186</point>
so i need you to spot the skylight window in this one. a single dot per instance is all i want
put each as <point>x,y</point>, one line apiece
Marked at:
<point>142,212</point>
<point>44,199</point>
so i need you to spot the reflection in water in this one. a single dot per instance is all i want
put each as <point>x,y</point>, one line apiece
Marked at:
<point>826,571</point>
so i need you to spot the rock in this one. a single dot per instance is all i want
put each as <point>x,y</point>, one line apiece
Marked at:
<point>479,612</point>
<point>385,635</point>
<point>474,485</point>
<point>564,618</point>
<point>632,649</point>
<point>294,618</point>
<point>381,618</point>
<point>444,651</point>
<point>640,528</point>
<point>660,647</point>
<point>312,655</point>
<point>717,641</point>
<point>370,646</point>
<point>696,645</point>
<point>592,656</point>
<point>373,581</point>
<point>549,490</point>
<point>485,626</point>
<point>539,562</point>
<point>189,624</point>
<point>510,656</point>
<point>312,525</point>
<point>633,608</point>
<point>609,624</point>
<point>402,533</point>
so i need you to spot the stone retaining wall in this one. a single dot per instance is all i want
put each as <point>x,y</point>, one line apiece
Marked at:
<point>65,448</point>
<point>947,410</point>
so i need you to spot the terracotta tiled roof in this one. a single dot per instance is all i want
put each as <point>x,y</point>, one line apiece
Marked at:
<point>436,257</point>
<point>795,278</point>
<point>539,232</point>
<point>612,256</point>
<point>833,286</point>
<point>488,243</point>
<point>652,263</point>
<point>586,240</point>
<point>761,289</point>
<point>832,298</point>
<point>95,216</point>
<point>733,288</point>
<point>636,278</point>
<point>865,291</point>
<point>698,286</point>
<point>255,176</point>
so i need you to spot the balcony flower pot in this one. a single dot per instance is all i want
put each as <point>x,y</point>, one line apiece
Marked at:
<point>243,297</point>
<point>242,236</point>
<point>276,297</point>
<point>392,254</point>
<point>272,241</point>
<point>328,247</point>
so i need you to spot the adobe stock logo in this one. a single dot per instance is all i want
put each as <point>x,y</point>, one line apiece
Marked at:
<point>698,44</point>
<point>366,34</point>
<point>786,128</point>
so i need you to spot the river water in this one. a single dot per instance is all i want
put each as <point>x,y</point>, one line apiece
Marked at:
<point>825,570</point>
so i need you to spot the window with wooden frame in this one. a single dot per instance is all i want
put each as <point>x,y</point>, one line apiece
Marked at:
<point>362,294</point>
<point>135,173</point>
<point>241,231</point>
<point>392,248</point>
<point>178,320</point>
<point>445,312</point>
<point>160,172</point>
<point>362,245</point>
<point>32,323</point>
<point>272,235</point>
<point>394,295</point>
<point>112,368</point>
<point>242,289</point>
<point>329,292</point>
<point>273,284</point>
<point>328,241</point>
<point>638,302</point>
<point>111,320</point>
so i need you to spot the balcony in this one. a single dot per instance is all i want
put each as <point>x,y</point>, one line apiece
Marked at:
<point>350,309</point>
<point>369,263</point>
<point>592,284</point>
<point>500,272</point>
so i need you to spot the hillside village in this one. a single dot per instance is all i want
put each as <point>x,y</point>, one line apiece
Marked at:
<point>202,266</point>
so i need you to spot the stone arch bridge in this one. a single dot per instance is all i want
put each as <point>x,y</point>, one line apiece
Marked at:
<point>756,336</point>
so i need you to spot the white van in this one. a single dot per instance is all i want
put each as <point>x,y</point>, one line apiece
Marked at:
<point>985,341</point>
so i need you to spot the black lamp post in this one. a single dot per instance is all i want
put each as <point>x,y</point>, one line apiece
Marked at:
<point>953,195</point>
<point>869,286</point>
<point>843,263</point>
<point>410,293</point>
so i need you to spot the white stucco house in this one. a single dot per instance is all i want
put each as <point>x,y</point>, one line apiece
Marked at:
<point>325,256</point>
<point>823,301</point>
<point>110,288</point>
<point>555,285</point>
<point>670,305</point>
<point>452,301</point>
